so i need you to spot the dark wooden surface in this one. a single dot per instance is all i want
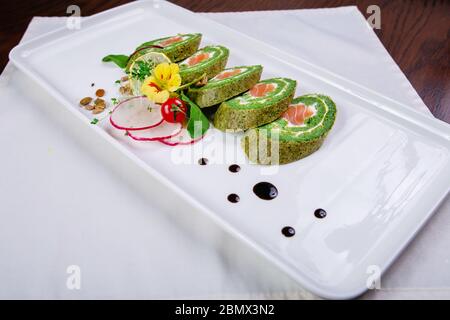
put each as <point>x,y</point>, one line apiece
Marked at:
<point>415,32</point>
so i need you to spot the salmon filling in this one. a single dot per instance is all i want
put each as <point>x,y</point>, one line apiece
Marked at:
<point>192,61</point>
<point>261,89</point>
<point>169,41</point>
<point>227,74</point>
<point>297,114</point>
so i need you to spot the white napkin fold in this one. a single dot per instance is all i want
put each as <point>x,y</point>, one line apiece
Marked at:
<point>61,207</point>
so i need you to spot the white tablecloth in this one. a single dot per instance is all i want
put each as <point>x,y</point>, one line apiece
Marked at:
<point>61,206</point>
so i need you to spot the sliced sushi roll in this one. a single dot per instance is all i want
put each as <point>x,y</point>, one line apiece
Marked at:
<point>227,84</point>
<point>210,60</point>
<point>263,103</point>
<point>176,48</point>
<point>297,134</point>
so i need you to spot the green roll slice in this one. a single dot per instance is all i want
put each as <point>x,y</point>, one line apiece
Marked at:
<point>227,84</point>
<point>210,60</point>
<point>176,48</point>
<point>264,103</point>
<point>297,134</point>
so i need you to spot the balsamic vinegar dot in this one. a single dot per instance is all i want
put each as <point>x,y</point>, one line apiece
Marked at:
<point>265,190</point>
<point>320,213</point>
<point>203,161</point>
<point>233,197</point>
<point>288,231</point>
<point>234,168</point>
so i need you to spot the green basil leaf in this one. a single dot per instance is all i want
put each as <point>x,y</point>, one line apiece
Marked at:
<point>119,59</point>
<point>197,124</point>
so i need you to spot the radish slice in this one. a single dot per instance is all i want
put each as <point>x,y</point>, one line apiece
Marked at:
<point>184,138</point>
<point>165,130</point>
<point>137,113</point>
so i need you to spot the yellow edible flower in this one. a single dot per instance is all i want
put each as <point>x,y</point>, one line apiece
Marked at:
<point>165,78</point>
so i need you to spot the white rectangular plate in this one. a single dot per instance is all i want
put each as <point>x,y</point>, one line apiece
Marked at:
<point>380,174</point>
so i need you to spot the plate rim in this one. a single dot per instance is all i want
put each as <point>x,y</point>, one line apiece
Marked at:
<point>414,117</point>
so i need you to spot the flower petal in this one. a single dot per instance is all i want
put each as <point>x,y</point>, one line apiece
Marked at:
<point>174,83</point>
<point>162,72</point>
<point>148,80</point>
<point>162,96</point>
<point>166,76</point>
<point>148,90</point>
<point>157,71</point>
<point>174,68</point>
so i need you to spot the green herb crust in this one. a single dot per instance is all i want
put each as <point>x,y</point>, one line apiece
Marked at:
<point>211,66</point>
<point>217,91</point>
<point>294,142</point>
<point>177,51</point>
<point>245,111</point>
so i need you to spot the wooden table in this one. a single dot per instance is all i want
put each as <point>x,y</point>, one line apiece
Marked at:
<point>415,32</point>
